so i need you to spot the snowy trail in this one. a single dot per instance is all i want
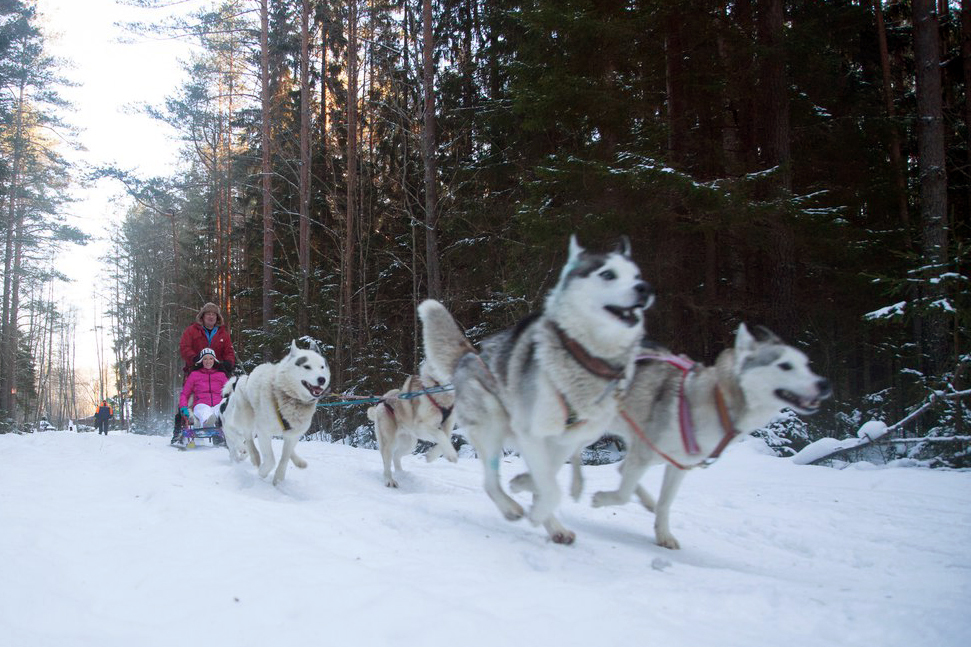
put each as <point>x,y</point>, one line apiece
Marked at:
<point>121,541</point>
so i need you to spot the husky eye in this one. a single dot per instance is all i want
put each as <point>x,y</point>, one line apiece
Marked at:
<point>785,366</point>
<point>608,275</point>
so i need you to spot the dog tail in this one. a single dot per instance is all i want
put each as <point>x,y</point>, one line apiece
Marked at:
<point>445,343</point>
<point>228,388</point>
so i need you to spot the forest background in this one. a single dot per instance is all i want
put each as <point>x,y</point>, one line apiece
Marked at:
<point>802,165</point>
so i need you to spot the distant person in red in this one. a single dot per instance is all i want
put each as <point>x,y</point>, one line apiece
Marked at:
<point>101,417</point>
<point>207,331</point>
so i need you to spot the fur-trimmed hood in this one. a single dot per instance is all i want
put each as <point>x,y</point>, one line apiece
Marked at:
<point>210,307</point>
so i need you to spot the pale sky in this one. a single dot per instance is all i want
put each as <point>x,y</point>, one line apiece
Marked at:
<point>113,77</point>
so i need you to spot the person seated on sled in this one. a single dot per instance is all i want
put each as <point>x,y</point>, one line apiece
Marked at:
<point>205,386</point>
<point>207,331</point>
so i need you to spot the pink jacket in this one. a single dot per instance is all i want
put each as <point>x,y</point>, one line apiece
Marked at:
<point>205,384</point>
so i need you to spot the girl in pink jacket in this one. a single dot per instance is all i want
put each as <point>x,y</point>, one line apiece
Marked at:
<point>205,385</point>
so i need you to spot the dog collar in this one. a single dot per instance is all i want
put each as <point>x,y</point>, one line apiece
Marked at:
<point>594,365</point>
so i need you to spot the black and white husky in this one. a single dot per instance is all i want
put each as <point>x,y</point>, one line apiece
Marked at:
<point>551,383</point>
<point>685,415</point>
<point>276,399</point>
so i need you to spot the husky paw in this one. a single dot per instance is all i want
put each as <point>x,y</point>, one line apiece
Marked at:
<point>666,540</point>
<point>514,512</point>
<point>558,532</point>
<point>390,482</point>
<point>299,462</point>
<point>566,537</point>
<point>603,499</point>
<point>265,470</point>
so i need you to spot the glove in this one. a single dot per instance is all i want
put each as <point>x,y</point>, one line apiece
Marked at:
<point>186,413</point>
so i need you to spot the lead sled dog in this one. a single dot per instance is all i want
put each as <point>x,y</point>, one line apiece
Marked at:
<point>551,384</point>
<point>749,385</point>
<point>276,399</point>
<point>399,422</point>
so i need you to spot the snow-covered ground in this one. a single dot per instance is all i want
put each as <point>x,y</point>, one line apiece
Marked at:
<point>122,541</point>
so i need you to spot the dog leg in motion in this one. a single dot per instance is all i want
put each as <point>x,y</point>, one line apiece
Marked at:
<point>631,471</point>
<point>576,485</point>
<point>254,454</point>
<point>491,455</point>
<point>646,499</point>
<point>543,461</point>
<point>286,455</point>
<point>266,448</point>
<point>662,514</point>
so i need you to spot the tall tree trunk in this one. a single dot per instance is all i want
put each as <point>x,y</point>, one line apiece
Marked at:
<point>265,171</point>
<point>674,78</point>
<point>896,159</point>
<point>933,183</point>
<point>347,264</point>
<point>966,64</point>
<point>774,95</point>
<point>304,242</point>
<point>11,280</point>
<point>774,117</point>
<point>432,265</point>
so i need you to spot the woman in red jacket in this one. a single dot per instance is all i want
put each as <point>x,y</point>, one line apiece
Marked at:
<point>205,386</point>
<point>208,331</point>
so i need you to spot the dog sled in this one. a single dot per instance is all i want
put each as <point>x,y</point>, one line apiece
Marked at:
<point>189,434</point>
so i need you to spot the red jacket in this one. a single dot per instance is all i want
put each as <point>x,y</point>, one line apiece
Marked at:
<point>194,340</point>
<point>205,384</point>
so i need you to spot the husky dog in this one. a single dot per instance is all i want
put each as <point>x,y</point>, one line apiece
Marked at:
<point>672,408</point>
<point>399,423</point>
<point>276,399</point>
<point>552,382</point>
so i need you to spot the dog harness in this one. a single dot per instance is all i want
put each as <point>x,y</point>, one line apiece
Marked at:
<point>688,436</point>
<point>445,411</point>
<point>594,365</point>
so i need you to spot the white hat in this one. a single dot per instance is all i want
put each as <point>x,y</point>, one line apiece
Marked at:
<point>204,352</point>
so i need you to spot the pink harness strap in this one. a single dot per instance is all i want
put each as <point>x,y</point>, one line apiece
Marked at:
<point>688,436</point>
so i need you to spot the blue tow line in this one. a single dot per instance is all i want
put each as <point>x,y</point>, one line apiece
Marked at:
<point>375,399</point>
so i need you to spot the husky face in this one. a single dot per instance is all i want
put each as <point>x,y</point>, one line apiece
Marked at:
<point>610,283</point>
<point>772,373</point>
<point>306,372</point>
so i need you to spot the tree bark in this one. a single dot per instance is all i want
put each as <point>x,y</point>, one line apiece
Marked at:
<point>896,159</point>
<point>265,172</point>
<point>933,183</point>
<point>304,236</point>
<point>432,265</point>
<point>674,79</point>
<point>347,264</point>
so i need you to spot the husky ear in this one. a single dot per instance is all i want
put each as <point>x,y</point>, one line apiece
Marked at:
<point>623,247</point>
<point>744,341</point>
<point>764,335</point>
<point>293,348</point>
<point>575,249</point>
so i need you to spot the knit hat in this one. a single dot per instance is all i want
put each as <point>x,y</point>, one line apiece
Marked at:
<point>204,352</point>
<point>210,307</point>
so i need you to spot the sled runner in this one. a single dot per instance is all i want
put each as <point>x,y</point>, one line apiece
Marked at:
<point>189,435</point>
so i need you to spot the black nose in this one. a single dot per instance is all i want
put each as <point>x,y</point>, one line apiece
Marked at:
<point>644,291</point>
<point>825,390</point>
<point>321,380</point>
